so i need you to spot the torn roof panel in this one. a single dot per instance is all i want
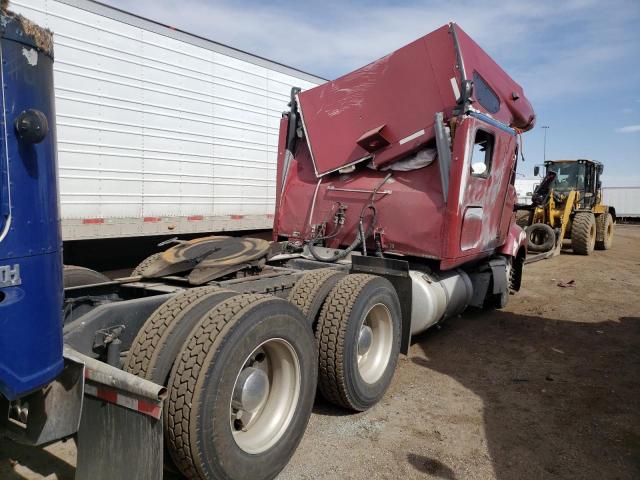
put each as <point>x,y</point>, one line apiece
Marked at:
<point>397,97</point>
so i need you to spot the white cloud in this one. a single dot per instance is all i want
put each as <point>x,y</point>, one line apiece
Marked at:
<point>553,49</point>
<point>629,129</point>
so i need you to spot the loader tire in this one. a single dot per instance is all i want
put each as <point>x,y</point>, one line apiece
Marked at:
<point>309,293</point>
<point>144,264</point>
<point>350,375</point>
<point>540,237</point>
<point>583,233</point>
<point>241,337</point>
<point>74,276</point>
<point>604,231</point>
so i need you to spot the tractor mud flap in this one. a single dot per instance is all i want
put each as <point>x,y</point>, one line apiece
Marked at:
<point>53,411</point>
<point>120,434</point>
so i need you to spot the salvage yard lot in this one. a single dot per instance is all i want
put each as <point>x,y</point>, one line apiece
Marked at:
<point>547,388</point>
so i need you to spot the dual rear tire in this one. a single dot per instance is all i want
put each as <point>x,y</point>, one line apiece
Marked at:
<point>241,371</point>
<point>358,335</point>
<point>357,322</point>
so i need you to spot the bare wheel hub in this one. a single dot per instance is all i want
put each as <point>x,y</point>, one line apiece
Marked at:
<point>265,396</point>
<point>365,339</point>
<point>251,390</point>
<point>375,343</point>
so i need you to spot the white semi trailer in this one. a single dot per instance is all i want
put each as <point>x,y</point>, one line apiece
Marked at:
<point>625,199</point>
<point>160,131</point>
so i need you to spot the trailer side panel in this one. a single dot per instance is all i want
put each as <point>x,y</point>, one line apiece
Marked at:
<point>160,132</point>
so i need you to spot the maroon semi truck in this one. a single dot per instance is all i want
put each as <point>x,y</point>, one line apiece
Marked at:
<point>394,211</point>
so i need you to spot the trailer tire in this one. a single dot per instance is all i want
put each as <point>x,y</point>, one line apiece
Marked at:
<point>203,437</point>
<point>604,231</point>
<point>309,293</point>
<point>540,237</point>
<point>583,233</point>
<point>144,264</point>
<point>75,276</point>
<point>347,376</point>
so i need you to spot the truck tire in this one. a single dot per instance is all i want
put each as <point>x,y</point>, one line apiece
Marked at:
<point>540,237</point>
<point>309,293</point>
<point>144,264</point>
<point>358,336</point>
<point>159,341</point>
<point>215,427</point>
<point>583,233</point>
<point>74,276</point>
<point>604,231</point>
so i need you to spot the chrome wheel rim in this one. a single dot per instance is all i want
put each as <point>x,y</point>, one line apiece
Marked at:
<point>374,343</point>
<point>265,396</point>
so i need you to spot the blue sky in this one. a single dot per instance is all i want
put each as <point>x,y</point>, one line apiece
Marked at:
<point>578,60</point>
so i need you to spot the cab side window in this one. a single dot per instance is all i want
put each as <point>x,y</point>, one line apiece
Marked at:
<point>482,154</point>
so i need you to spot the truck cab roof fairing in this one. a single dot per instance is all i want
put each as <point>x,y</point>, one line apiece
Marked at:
<point>397,97</point>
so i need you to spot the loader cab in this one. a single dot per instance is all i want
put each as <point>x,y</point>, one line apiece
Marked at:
<point>580,175</point>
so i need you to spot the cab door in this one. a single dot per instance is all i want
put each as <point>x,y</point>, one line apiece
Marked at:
<point>481,205</point>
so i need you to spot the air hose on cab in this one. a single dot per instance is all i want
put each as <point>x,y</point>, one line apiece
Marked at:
<point>361,234</point>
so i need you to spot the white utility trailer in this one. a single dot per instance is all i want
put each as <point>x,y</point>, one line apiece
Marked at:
<point>160,131</point>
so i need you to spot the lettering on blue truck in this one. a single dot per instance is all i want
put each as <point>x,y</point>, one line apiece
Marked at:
<point>10,275</point>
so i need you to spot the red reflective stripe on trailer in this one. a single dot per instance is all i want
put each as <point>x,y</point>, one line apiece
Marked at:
<point>92,220</point>
<point>195,218</point>
<point>236,217</point>
<point>149,408</point>
<point>152,219</point>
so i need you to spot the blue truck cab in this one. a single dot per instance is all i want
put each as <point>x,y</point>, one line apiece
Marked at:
<point>31,287</point>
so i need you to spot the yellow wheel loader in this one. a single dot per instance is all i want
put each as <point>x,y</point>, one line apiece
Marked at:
<point>567,204</point>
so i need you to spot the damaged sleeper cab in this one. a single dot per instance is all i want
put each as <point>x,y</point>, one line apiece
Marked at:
<point>404,169</point>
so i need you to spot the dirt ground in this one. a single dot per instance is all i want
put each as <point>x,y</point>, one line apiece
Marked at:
<point>547,388</point>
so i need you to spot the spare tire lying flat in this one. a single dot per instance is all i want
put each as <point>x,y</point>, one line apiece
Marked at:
<point>242,390</point>
<point>540,237</point>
